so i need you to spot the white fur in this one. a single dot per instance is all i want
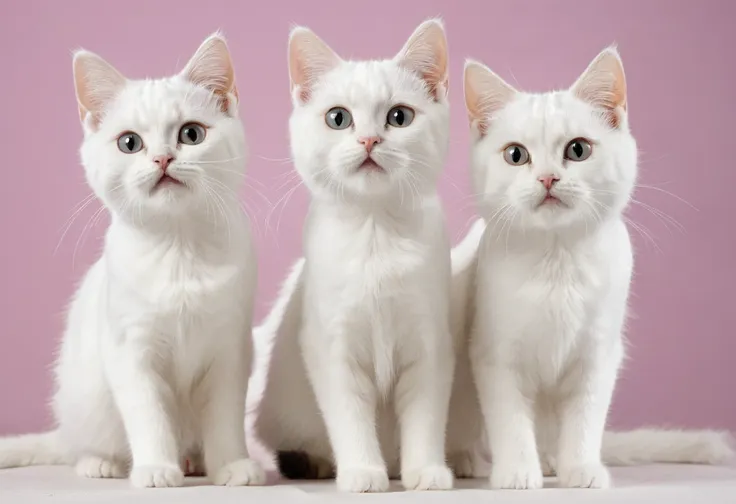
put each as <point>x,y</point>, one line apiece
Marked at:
<point>553,282</point>
<point>288,418</point>
<point>155,359</point>
<point>374,331</point>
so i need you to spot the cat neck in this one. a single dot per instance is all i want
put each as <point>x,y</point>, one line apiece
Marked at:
<point>564,237</point>
<point>389,207</point>
<point>214,227</point>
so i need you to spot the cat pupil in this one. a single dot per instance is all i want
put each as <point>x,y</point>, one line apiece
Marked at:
<point>516,154</point>
<point>577,148</point>
<point>130,143</point>
<point>338,118</point>
<point>191,133</point>
<point>399,116</point>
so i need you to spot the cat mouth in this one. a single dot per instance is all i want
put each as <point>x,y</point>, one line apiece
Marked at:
<point>550,200</point>
<point>370,166</point>
<point>167,180</point>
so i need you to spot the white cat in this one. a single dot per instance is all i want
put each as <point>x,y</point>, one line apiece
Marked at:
<point>156,356</point>
<point>288,420</point>
<point>369,139</point>
<point>554,172</point>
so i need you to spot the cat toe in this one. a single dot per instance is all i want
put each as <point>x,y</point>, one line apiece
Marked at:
<point>435,477</point>
<point>97,467</point>
<point>156,476</point>
<point>362,479</point>
<point>517,476</point>
<point>584,476</point>
<point>244,472</point>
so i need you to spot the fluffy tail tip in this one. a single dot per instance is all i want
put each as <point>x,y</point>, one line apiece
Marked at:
<point>716,448</point>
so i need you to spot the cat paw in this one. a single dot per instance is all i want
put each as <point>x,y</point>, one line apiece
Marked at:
<point>96,467</point>
<point>241,473</point>
<point>435,477</point>
<point>157,476</point>
<point>362,479</point>
<point>584,476</point>
<point>461,464</point>
<point>517,476</point>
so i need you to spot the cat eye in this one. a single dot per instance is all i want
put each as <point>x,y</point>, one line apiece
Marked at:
<point>400,117</point>
<point>130,143</point>
<point>192,133</point>
<point>578,150</point>
<point>338,118</point>
<point>516,155</point>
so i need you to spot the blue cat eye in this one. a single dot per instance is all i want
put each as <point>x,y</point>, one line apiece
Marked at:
<point>130,143</point>
<point>338,118</point>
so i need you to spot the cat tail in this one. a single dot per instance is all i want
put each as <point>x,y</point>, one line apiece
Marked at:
<point>32,449</point>
<point>643,446</point>
<point>464,260</point>
<point>464,253</point>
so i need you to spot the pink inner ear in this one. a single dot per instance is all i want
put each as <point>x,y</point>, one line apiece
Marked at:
<point>96,83</point>
<point>425,53</point>
<point>303,95</point>
<point>309,58</point>
<point>485,94</point>
<point>603,85</point>
<point>211,68</point>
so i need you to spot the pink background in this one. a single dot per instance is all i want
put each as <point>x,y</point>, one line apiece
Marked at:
<point>681,72</point>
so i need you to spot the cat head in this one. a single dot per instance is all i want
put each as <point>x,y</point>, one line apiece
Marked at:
<point>370,129</point>
<point>161,148</point>
<point>554,160</point>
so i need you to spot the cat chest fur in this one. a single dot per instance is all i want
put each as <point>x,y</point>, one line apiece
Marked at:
<point>367,262</point>
<point>367,277</point>
<point>174,280</point>
<point>559,296</point>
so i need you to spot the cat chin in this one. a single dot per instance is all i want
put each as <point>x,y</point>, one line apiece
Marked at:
<point>549,217</point>
<point>170,201</point>
<point>364,185</point>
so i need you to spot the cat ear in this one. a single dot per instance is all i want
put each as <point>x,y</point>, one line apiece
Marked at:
<point>603,84</point>
<point>212,68</point>
<point>309,58</point>
<point>425,53</point>
<point>96,83</point>
<point>485,94</point>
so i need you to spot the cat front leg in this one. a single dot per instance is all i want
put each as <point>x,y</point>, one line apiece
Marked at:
<point>583,413</point>
<point>347,398</point>
<point>509,418</point>
<point>222,396</point>
<point>422,400</point>
<point>147,405</point>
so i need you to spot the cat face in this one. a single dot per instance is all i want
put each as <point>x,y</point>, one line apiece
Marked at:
<point>552,160</point>
<point>161,148</point>
<point>370,129</point>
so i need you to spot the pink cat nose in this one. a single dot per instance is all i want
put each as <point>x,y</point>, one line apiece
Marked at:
<point>548,181</point>
<point>369,142</point>
<point>163,161</point>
